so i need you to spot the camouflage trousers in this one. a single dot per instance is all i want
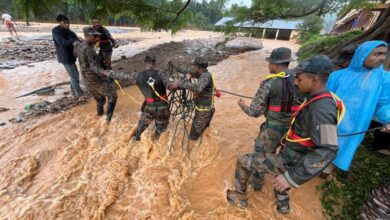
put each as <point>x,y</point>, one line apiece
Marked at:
<point>100,91</point>
<point>269,136</point>
<point>266,143</point>
<point>151,112</point>
<point>201,121</point>
<point>105,54</point>
<point>377,205</point>
<point>255,165</point>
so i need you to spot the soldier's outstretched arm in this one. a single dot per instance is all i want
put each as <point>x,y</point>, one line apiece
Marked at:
<point>184,70</point>
<point>128,77</point>
<point>166,78</point>
<point>260,101</point>
<point>198,86</point>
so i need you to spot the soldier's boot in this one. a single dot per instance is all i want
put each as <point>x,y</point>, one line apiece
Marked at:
<point>100,109</point>
<point>256,181</point>
<point>110,108</point>
<point>282,202</point>
<point>159,130</point>
<point>238,196</point>
<point>140,129</point>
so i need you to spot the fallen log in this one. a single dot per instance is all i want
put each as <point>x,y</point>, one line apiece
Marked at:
<point>52,87</point>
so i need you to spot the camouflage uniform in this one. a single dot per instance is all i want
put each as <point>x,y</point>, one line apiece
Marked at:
<point>276,124</point>
<point>154,108</point>
<point>97,84</point>
<point>270,93</point>
<point>204,92</point>
<point>106,44</point>
<point>296,162</point>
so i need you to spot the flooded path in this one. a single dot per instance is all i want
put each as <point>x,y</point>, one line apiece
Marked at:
<point>68,166</point>
<point>24,79</point>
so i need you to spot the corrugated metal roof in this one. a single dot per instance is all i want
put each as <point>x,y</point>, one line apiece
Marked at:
<point>272,24</point>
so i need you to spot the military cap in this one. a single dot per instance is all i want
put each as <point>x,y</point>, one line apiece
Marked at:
<point>90,31</point>
<point>280,55</point>
<point>149,57</point>
<point>320,64</point>
<point>201,62</point>
<point>346,54</point>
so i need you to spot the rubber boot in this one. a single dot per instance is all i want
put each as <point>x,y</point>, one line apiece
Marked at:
<point>100,109</point>
<point>110,108</point>
<point>282,202</point>
<point>237,198</point>
<point>140,130</point>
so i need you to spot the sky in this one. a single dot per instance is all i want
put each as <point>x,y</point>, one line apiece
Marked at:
<point>240,2</point>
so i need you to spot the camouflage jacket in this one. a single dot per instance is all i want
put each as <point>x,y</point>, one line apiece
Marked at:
<point>269,94</point>
<point>317,121</point>
<point>90,66</point>
<point>132,77</point>
<point>160,79</point>
<point>203,87</point>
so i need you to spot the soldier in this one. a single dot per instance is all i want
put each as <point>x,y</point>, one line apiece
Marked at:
<point>152,83</point>
<point>276,99</point>
<point>203,88</point>
<point>310,144</point>
<point>93,74</point>
<point>106,43</point>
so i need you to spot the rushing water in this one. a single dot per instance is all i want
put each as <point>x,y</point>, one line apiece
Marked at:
<point>70,166</point>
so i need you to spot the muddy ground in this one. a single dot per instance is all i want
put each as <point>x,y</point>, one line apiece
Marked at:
<point>27,50</point>
<point>181,53</point>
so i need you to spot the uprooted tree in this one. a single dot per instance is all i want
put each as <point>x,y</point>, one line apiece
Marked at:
<point>379,31</point>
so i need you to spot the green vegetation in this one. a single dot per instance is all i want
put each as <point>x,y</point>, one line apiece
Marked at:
<point>310,27</point>
<point>320,44</point>
<point>149,14</point>
<point>344,195</point>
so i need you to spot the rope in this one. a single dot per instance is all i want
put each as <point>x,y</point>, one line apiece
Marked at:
<point>235,94</point>
<point>361,132</point>
<point>124,93</point>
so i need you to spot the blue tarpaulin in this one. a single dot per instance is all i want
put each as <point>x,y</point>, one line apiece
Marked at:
<point>366,95</point>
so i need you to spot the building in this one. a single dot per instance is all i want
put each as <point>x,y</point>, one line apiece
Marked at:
<point>360,19</point>
<point>273,29</point>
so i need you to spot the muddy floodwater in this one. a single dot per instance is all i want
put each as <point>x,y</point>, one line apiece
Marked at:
<point>70,166</point>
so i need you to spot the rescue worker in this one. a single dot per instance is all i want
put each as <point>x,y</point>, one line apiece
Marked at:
<point>93,74</point>
<point>310,144</point>
<point>203,88</point>
<point>106,43</point>
<point>276,99</point>
<point>152,83</point>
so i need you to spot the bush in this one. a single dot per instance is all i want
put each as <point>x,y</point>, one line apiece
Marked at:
<point>319,44</point>
<point>310,26</point>
<point>344,195</point>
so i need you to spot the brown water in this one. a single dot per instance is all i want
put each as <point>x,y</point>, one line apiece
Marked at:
<point>69,166</point>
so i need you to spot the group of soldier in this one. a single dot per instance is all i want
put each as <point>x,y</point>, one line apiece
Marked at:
<point>153,83</point>
<point>297,141</point>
